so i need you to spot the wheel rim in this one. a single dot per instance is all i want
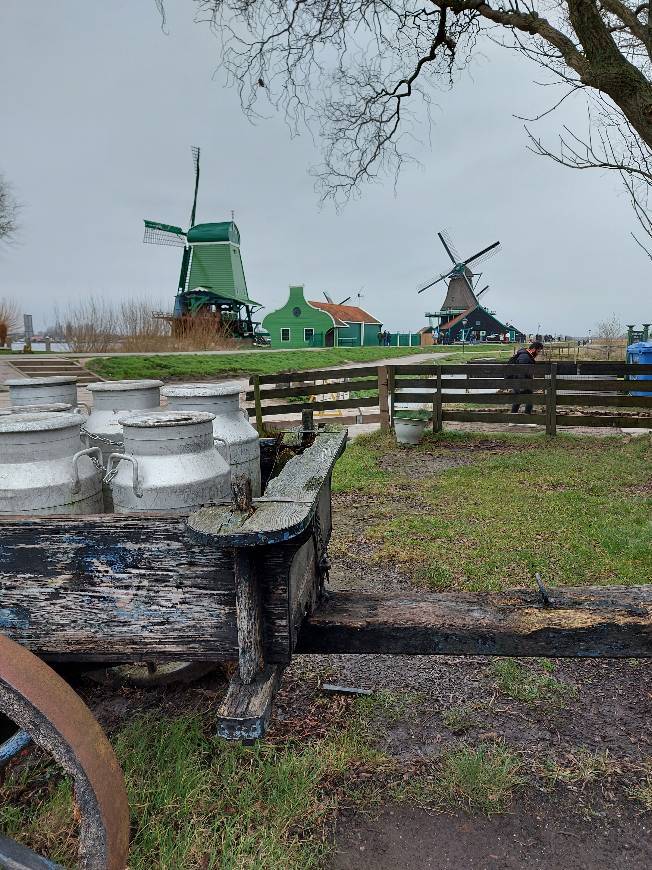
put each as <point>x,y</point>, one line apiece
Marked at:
<point>50,713</point>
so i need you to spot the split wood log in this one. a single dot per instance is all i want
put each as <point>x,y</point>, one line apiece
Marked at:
<point>597,621</point>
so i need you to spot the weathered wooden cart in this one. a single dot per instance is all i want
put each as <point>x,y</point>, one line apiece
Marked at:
<point>244,583</point>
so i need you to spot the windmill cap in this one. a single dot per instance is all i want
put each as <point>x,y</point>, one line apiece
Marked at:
<point>224,388</point>
<point>225,231</point>
<point>119,386</point>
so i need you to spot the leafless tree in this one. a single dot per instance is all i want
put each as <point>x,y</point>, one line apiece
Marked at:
<point>9,319</point>
<point>8,211</point>
<point>363,69</point>
<point>610,333</point>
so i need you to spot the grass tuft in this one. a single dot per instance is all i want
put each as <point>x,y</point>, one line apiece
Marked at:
<point>579,768</point>
<point>482,778</point>
<point>459,720</point>
<point>522,684</point>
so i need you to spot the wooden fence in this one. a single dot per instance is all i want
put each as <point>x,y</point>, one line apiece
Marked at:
<point>562,394</point>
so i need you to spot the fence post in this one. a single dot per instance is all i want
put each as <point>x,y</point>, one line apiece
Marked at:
<point>391,380</point>
<point>551,401</point>
<point>257,405</point>
<point>383,398</point>
<point>437,404</point>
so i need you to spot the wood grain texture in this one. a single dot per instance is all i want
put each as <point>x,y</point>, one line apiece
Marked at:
<point>297,488</point>
<point>597,621</point>
<point>246,709</point>
<point>249,616</point>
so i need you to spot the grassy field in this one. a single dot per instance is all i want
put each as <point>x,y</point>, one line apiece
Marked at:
<point>259,362</point>
<point>567,507</point>
<point>262,362</point>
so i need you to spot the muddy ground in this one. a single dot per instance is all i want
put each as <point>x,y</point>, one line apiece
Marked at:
<point>594,731</point>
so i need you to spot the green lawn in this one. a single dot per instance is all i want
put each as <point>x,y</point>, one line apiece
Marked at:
<point>258,362</point>
<point>567,507</point>
<point>265,362</point>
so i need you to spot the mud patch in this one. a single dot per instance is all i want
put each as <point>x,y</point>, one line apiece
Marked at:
<point>412,463</point>
<point>543,832</point>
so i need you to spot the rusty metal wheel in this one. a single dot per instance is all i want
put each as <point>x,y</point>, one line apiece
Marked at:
<point>46,710</point>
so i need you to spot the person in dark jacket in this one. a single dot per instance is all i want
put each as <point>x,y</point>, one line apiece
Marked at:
<point>525,357</point>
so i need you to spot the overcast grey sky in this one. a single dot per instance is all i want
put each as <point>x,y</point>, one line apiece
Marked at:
<point>98,109</point>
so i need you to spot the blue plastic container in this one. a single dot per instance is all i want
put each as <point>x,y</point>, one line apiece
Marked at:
<point>640,352</point>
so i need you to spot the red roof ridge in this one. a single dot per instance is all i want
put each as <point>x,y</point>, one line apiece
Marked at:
<point>345,313</point>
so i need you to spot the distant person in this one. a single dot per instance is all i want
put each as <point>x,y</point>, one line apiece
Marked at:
<point>525,357</point>
<point>381,338</point>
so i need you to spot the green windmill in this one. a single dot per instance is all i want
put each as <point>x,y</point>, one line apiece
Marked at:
<point>211,281</point>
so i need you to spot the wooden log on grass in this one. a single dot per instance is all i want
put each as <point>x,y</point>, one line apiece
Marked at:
<point>596,621</point>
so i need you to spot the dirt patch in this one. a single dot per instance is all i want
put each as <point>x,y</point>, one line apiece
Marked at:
<point>642,489</point>
<point>543,832</point>
<point>418,463</point>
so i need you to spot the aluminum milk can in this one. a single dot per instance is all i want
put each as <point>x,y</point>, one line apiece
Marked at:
<point>170,464</point>
<point>231,424</point>
<point>43,391</point>
<point>112,400</point>
<point>45,469</point>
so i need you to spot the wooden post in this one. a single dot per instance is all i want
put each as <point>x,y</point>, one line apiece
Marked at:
<point>248,604</point>
<point>259,410</point>
<point>437,404</point>
<point>383,398</point>
<point>307,426</point>
<point>391,378</point>
<point>551,401</point>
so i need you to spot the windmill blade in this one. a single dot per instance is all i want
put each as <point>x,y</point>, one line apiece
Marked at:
<point>164,234</point>
<point>445,239</point>
<point>195,159</point>
<point>328,298</point>
<point>478,295</point>
<point>344,300</point>
<point>483,255</point>
<point>432,283</point>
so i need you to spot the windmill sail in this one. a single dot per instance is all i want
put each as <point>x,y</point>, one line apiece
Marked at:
<point>164,234</point>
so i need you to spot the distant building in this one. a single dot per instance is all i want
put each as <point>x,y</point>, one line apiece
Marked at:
<point>476,323</point>
<point>303,323</point>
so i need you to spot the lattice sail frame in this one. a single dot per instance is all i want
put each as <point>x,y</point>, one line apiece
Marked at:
<point>164,234</point>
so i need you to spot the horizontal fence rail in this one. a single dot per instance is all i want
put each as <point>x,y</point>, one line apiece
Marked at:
<point>473,393</point>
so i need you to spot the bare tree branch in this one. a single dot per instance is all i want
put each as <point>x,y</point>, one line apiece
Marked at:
<point>8,212</point>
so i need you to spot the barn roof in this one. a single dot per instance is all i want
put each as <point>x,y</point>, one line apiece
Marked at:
<point>345,313</point>
<point>459,317</point>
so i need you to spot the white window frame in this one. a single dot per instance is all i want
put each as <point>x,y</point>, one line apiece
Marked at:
<point>289,332</point>
<point>312,330</point>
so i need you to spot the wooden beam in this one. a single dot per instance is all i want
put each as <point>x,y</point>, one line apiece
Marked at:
<point>597,621</point>
<point>245,711</point>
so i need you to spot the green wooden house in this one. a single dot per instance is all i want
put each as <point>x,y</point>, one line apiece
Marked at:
<point>303,323</point>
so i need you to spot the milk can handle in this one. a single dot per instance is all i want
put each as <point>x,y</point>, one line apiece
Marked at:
<point>245,414</point>
<point>79,405</point>
<point>111,473</point>
<point>90,452</point>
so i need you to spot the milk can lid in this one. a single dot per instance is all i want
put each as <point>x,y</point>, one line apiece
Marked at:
<point>40,422</point>
<point>223,388</point>
<point>160,419</point>
<point>123,386</point>
<point>36,382</point>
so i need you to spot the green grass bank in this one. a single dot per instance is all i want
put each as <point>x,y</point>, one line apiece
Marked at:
<point>264,362</point>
